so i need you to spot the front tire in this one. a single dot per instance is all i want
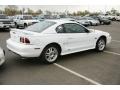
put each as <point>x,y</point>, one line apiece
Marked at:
<point>101,44</point>
<point>50,54</point>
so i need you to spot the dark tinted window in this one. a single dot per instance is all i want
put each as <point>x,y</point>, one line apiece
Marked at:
<point>41,26</point>
<point>74,28</point>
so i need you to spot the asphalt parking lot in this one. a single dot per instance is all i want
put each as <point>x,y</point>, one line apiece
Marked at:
<point>84,68</point>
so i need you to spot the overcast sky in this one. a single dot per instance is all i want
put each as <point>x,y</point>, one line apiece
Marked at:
<point>70,8</point>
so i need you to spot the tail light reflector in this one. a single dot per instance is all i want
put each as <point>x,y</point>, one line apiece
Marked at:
<point>24,40</point>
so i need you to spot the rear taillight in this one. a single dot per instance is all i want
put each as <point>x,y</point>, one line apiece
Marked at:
<point>24,40</point>
<point>27,40</point>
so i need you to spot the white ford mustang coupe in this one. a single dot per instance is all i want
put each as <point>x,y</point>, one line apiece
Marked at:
<point>51,38</point>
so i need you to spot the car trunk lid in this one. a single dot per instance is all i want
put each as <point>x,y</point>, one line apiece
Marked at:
<point>17,34</point>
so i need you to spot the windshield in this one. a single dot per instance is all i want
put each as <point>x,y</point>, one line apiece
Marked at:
<point>27,17</point>
<point>3,17</point>
<point>41,26</point>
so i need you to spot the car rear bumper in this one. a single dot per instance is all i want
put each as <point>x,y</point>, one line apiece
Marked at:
<point>23,50</point>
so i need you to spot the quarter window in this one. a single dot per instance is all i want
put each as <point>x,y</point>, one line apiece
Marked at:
<point>60,29</point>
<point>74,28</point>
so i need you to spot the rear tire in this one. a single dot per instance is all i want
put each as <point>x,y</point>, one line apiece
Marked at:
<point>16,26</point>
<point>50,54</point>
<point>101,44</point>
<point>25,25</point>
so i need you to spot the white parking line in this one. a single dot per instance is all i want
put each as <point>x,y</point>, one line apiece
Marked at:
<point>77,74</point>
<point>116,41</point>
<point>112,53</point>
<point>82,76</point>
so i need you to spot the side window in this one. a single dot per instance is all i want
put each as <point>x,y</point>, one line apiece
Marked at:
<point>74,28</point>
<point>60,29</point>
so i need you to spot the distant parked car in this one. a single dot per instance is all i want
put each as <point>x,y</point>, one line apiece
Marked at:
<point>105,21</point>
<point>68,19</point>
<point>35,17</point>
<point>24,20</point>
<point>5,22</point>
<point>2,56</point>
<point>91,20</point>
<point>11,17</point>
<point>117,18</point>
<point>111,17</point>
<point>40,18</point>
<point>102,20</point>
<point>83,22</point>
<point>51,38</point>
<point>103,16</point>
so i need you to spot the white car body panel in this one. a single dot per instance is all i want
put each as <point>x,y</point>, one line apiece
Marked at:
<point>2,56</point>
<point>70,42</point>
<point>117,18</point>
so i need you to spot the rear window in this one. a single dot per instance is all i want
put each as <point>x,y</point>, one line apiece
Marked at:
<point>41,26</point>
<point>27,17</point>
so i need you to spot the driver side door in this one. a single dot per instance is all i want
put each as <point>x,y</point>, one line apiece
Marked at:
<point>77,38</point>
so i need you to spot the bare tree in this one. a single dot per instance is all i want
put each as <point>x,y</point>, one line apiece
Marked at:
<point>23,10</point>
<point>114,11</point>
<point>11,10</point>
<point>30,11</point>
<point>38,12</point>
<point>1,11</point>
